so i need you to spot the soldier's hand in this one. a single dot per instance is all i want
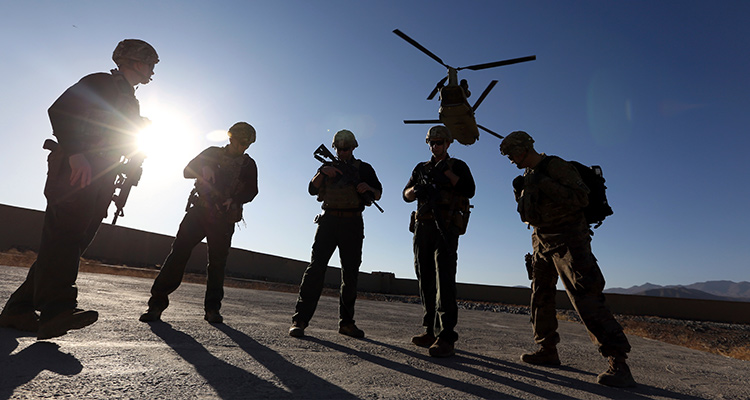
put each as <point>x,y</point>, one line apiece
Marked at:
<point>330,171</point>
<point>80,170</point>
<point>364,187</point>
<point>421,191</point>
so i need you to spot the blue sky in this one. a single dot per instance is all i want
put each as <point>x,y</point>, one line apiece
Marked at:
<point>657,93</point>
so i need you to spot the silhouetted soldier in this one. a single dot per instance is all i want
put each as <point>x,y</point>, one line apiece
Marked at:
<point>95,122</point>
<point>225,179</point>
<point>442,188</point>
<point>551,197</point>
<point>344,194</point>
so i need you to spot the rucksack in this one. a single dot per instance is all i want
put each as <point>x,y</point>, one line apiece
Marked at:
<point>598,208</point>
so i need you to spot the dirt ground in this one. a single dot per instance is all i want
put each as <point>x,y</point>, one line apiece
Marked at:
<point>729,340</point>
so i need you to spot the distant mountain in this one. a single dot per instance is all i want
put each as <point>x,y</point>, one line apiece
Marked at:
<point>711,290</point>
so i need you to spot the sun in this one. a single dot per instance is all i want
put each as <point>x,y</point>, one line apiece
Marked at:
<point>168,141</point>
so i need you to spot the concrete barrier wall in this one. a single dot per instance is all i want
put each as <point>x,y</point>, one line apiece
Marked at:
<point>21,228</point>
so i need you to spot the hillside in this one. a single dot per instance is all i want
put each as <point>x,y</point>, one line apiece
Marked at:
<point>711,290</point>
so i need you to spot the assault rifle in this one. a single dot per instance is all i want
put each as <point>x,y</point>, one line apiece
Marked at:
<point>349,175</point>
<point>129,175</point>
<point>426,190</point>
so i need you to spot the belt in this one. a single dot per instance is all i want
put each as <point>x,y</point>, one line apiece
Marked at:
<point>337,213</point>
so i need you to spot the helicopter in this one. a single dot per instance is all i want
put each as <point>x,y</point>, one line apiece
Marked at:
<point>455,111</point>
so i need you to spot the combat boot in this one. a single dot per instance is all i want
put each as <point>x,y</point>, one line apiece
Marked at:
<point>426,339</point>
<point>618,374</point>
<point>67,320</point>
<point>151,315</point>
<point>213,317</point>
<point>297,329</point>
<point>543,356</point>
<point>351,330</point>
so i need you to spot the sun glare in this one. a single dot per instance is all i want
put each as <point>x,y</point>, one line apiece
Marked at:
<point>166,141</point>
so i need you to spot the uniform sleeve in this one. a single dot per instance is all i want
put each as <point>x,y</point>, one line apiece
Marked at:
<point>207,157</point>
<point>412,181</point>
<point>368,175</point>
<point>75,110</point>
<point>249,183</point>
<point>465,185</point>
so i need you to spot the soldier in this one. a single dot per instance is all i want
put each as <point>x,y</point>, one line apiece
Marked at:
<point>225,179</point>
<point>442,188</point>
<point>551,197</point>
<point>345,190</point>
<point>95,122</point>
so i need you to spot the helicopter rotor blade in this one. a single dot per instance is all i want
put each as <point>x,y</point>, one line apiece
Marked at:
<point>437,88</point>
<point>498,63</point>
<point>489,131</point>
<point>419,46</point>
<point>484,94</point>
<point>422,121</point>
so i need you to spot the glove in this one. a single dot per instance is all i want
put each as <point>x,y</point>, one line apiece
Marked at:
<point>422,191</point>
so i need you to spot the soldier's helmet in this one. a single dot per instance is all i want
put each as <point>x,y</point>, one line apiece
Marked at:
<point>518,140</point>
<point>343,139</point>
<point>243,133</point>
<point>438,132</point>
<point>134,49</point>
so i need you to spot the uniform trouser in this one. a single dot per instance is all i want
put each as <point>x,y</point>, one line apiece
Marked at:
<point>435,260</point>
<point>346,233</point>
<point>574,263</point>
<point>197,224</point>
<point>71,220</point>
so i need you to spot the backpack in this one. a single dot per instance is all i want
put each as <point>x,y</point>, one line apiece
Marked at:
<point>598,208</point>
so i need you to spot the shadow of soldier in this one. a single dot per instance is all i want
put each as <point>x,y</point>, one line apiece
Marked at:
<point>470,362</point>
<point>300,381</point>
<point>232,382</point>
<point>404,368</point>
<point>22,367</point>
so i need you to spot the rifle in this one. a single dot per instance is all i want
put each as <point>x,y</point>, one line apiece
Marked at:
<point>130,174</point>
<point>325,156</point>
<point>425,188</point>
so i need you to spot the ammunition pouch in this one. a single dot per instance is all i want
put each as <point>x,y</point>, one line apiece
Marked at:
<point>413,221</point>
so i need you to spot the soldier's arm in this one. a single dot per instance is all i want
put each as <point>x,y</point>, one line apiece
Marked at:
<point>564,184</point>
<point>249,183</point>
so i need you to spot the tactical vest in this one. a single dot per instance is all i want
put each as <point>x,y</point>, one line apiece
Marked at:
<point>227,185</point>
<point>336,194</point>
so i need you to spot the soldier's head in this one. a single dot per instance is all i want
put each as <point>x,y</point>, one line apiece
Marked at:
<point>344,142</point>
<point>439,139</point>
<point>137,56</point>
<point>241,136</point>
<point>518,146</point>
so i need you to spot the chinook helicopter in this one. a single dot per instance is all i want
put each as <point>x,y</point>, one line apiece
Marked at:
<point>455,111</point>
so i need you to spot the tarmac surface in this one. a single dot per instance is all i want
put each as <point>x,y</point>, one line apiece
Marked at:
<point>252,356</point>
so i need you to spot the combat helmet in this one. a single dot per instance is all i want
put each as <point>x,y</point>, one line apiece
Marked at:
<point>518,140</point>
<point>438,132</point>
<point>344,138</point>
<point>243,133</point>
<point>134,49</point>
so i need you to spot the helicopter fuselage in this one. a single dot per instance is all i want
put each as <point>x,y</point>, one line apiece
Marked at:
<point>457,115</point>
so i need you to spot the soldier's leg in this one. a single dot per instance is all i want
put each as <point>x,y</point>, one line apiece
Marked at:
<point>350,237</point>
<point>584,282</point>
<point>312,280</point>
<point>219,238</point>
<point>543,311</point>
<point>426,271</point>
<point>447,308</point>
<point>190,233</point>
